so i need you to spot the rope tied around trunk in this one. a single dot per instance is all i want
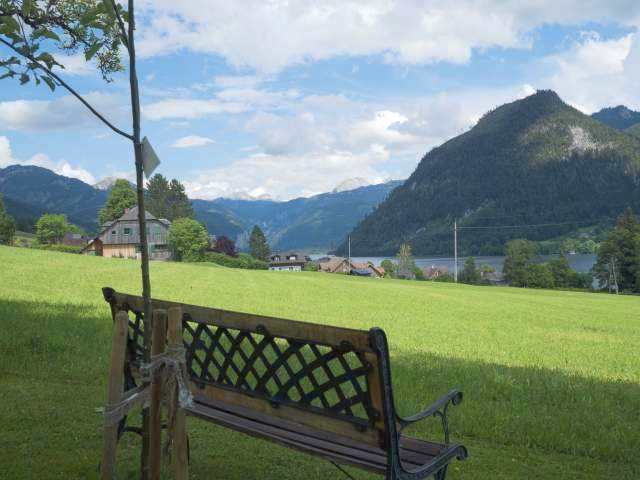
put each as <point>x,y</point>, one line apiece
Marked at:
<point>170,369</point>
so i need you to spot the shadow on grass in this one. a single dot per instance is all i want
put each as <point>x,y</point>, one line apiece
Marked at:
<point>53,358</point>
<point>69,342</point>
<point>525,406</point>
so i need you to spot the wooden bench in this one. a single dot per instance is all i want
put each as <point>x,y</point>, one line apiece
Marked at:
<point>319,389</point>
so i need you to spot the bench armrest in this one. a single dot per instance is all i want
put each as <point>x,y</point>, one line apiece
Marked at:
<point>437,466</point>
<point>437,409</point>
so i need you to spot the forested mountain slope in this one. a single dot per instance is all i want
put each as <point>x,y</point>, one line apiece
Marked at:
<point>533,161</point>
<point>31,190</point>
<point>318,223</point>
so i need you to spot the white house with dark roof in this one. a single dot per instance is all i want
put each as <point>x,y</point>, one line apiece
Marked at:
<point>121,238</point>
<point>290,261</point>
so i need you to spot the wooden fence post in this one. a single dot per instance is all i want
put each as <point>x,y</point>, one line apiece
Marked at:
<point>159,332</point>
<point>115,390</point>
<point>180,459</point>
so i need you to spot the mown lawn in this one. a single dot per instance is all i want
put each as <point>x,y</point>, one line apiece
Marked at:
<point>551,379</point>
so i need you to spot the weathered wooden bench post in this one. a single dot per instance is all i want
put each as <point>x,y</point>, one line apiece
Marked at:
<point>115,389</point>
<point>159,339</point>
<point>180,459</point>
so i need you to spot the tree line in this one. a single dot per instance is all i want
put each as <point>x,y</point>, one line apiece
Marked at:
<point>188,239</point>
<point>617,268</point>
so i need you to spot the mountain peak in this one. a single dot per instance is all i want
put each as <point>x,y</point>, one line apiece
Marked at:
<point>620,117</point>
<point>350,184</point>
<point>107,182</point>
<point>534,160</point>
<point>522,112</point>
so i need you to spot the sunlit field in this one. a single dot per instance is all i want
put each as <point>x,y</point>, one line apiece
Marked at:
<point>551,379</point>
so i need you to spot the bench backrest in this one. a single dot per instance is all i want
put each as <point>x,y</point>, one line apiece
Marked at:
<point>321,376</point>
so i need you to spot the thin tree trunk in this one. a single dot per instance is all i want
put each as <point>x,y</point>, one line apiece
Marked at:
<point>146,283</point>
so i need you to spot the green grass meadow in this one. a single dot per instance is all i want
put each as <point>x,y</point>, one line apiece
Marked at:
<point>551,379</point>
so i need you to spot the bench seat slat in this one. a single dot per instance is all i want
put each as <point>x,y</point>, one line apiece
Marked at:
<point>323,444</point>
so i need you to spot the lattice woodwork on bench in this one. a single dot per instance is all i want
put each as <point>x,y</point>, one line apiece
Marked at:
<point>135,341</point>
<point>281,370</point>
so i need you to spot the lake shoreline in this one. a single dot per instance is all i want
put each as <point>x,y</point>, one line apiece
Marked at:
<point>582,263</point>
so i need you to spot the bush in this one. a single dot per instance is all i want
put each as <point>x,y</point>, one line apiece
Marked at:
<point>50,228</point>
<point>445,277</point>
<point>539,275</point>
<point>470,273</point>
<point>389,268</point>
<point>310,267</point>
<point>57,247</point>
<point>7,226</point>
<point>518,256</point>
<point>243,260</point>
<point>188,239</point>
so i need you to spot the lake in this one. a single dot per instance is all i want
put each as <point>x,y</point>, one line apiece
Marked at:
<point>579,262</point>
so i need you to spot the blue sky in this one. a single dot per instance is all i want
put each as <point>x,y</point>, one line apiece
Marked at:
<point>283,99</point>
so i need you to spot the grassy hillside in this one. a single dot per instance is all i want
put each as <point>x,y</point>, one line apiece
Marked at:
<point>551,379</point>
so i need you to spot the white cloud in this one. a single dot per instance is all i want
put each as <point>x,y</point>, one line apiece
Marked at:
<point>238,81</point>
<point>276,175</point>
<point>64,112</point>
<point>270,36</point>
<point>236,96</point>
<point>61,167</point>
<point>187,108</point>
<point>75,65</point>
<point>594,72</point>
<point>192,141</point>
<point>66,169</point>
<point>6,155</point>
<point>318,141</point>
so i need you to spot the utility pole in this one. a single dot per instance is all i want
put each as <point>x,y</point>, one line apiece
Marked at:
<point>349,254</point>
<point>455,250</point>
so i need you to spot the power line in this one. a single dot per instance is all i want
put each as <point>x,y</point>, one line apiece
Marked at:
<point>535,225</point>
<point>519,215</point>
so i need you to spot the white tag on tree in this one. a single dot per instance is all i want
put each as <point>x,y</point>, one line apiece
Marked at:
<point>150,160</point>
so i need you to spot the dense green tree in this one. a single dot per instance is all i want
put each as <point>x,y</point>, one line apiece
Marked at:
<point>167,199</point>
<point>157,196</point>
<point>518,255</point>
<point>406,265</point>
<point>389,267</point>
<point>7,226</point>
<point>470,273</point>
<point>51,228</point>
<point>179,205</point>
<point>121,197</point>
<point>620,252</point>
<point>539,275</point>
<point>563,275</point>
<point>187,239</point>
<point>258,245</point>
